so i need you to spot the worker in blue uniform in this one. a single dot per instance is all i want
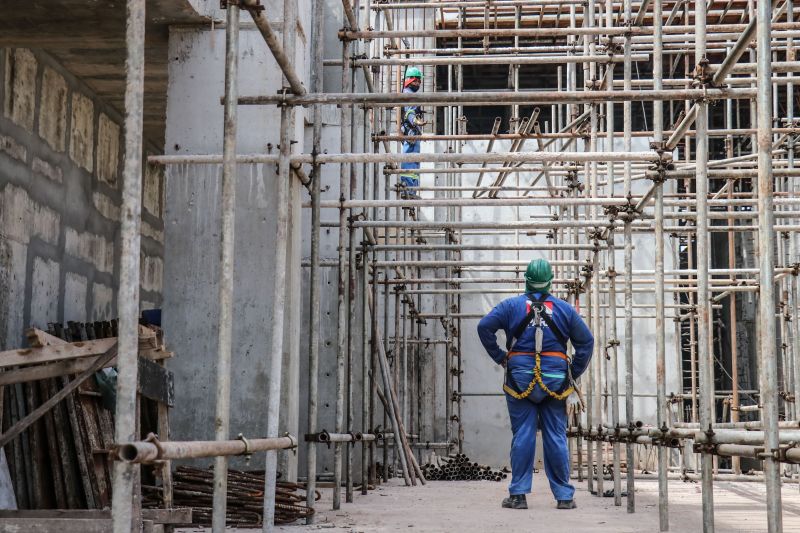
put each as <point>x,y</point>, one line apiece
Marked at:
<point>411,125</point>
<point>539,379</point>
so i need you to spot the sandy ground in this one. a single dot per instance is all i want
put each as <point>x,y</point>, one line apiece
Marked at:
<point>452,506</point>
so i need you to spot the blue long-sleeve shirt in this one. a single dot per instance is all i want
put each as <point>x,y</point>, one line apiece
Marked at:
<point>510,313</point>
<point>409,116</point>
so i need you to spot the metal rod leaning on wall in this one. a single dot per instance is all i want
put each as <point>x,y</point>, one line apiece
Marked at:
<point>314,278</point>
<point>126,498</point>
<point>389,405</point>
<point>282,236</point>
<point>767,364</point>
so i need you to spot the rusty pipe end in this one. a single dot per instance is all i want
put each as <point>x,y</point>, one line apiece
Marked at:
<point>128,453</point>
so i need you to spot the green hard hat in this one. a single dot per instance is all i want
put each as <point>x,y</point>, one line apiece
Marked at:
<point>539,276</point>
<point>413,72</point>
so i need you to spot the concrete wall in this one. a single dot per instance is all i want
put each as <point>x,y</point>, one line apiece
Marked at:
<point>194,125</point>
<point>61,156</point>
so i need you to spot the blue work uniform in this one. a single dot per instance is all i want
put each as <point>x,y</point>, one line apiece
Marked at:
<point>538,410</point>
<point>409,127</point>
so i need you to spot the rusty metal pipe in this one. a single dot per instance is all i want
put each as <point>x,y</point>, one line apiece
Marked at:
<point>147,452</point>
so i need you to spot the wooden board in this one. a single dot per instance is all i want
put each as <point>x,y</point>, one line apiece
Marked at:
<point>56,352</point>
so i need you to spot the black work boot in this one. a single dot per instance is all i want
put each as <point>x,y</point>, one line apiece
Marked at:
<point>515,501</point>
<point>566,504</point>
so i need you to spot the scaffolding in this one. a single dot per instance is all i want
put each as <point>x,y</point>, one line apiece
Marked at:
<point>596,191</point>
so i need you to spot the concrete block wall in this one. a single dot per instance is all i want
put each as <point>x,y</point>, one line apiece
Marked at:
<point>61,150</point>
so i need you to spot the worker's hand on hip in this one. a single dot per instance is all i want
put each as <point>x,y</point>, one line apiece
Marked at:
<point>574,404</point>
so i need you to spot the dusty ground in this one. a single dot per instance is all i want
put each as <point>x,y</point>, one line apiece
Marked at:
<point>452,506</point>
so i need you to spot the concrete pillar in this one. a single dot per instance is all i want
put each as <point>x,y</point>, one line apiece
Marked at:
<point>191,266</point>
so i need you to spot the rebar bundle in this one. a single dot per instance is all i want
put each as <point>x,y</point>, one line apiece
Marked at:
<point>458,467</point>
<point>194,487</point>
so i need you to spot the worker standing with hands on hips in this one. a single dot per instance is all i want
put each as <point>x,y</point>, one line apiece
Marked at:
<point>539,379</point>
<point>412,121</point>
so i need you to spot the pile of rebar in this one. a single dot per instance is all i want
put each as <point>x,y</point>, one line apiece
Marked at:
<point>194,487</point>
<point>458,467</point>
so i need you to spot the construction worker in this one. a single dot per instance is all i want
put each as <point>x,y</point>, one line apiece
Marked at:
<point>539,378</point>
<point>413,120</point>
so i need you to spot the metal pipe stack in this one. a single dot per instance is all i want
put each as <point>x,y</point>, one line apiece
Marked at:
<point>458,467</point>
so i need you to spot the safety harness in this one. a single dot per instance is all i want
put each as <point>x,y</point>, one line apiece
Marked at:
<point>537,313</point>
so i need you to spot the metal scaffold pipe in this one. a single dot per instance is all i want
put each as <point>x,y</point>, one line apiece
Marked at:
<point>386,158</point>
<point>126,503</point>
<point>549,32</point>
<point>766,331</point>
<point>496,97</point>
<point>151,451</point>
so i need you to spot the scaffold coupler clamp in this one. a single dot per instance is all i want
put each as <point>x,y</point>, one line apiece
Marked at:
<point>708,445</point>
<point>295,443</point>
<point>702,74</point>
<point>153,439</point>
<point>594,84</point>
<point>630,209</point>
<point>283,92</point>
<point>780,453</point>
<point>247,453</point>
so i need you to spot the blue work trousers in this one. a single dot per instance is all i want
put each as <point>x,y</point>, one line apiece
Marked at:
<point>538,411</point>
<point>411,179</point>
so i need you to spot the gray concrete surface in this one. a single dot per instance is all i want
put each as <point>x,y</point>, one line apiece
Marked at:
<point>194,125</point>
<point>448,506</point>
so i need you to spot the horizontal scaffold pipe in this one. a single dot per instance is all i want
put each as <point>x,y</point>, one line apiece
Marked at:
<point>496,59</point>
<point>441,99</point>
<point>460,262</point>
<point>378,6</point>
<point>492,157</point>
<point>152,450</point>
<point>562,135</point>
<point>475,33</point>
<point>325,437</point>
<point>492,247</point>
<point>546,225</point>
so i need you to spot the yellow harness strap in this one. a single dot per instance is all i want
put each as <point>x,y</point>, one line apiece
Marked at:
<point>537,380</point>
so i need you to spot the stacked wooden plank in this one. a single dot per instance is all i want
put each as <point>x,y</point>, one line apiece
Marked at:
<point>61,458</point>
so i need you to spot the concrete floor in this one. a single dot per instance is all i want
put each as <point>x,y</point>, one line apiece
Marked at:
<point>451,506</point>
